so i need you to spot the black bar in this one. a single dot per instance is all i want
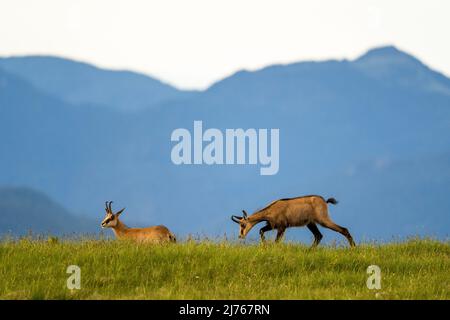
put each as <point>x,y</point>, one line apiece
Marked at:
<point>226,309</point>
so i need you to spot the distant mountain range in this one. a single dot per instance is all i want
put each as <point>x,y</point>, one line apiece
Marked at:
<point>27,212</point>
<point>79,83</point>
<point>372,132</point>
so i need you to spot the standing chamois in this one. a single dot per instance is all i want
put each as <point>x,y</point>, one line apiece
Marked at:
<point>293,212</point>
<point>156,234</point>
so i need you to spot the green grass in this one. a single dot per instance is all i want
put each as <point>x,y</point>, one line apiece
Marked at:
<point>30,269</point>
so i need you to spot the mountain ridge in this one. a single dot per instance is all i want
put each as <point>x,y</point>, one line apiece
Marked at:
<point>342,134</point>
<point>26,210</point>
<point>81,83</point>
<point>368,63</point>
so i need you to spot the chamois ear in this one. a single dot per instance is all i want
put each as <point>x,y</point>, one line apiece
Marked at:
<point>119,212</point>
<point>236,219</point>
<point>245,214</point>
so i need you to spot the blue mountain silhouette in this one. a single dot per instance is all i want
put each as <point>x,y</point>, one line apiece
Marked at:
<point>372,132</point>
<point>79,83</point>
<point>27,212</point>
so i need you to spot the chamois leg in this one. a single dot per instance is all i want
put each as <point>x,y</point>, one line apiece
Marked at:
<point>317,235</point>
<point>333,226</point>
<point>266,228</point>
<point>280,234</point>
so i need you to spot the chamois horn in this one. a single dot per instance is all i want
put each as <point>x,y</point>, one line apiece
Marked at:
<point>236,219</point>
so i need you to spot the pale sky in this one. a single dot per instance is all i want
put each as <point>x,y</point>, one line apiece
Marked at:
<point>191,44</point>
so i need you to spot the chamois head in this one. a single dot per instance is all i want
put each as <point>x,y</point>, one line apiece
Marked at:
<point>111,219</point>
<point>244,225</point>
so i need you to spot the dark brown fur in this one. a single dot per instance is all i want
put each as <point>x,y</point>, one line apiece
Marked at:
<point>293,212</point>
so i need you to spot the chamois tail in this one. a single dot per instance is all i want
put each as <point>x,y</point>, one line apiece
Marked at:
<point>332,201</point>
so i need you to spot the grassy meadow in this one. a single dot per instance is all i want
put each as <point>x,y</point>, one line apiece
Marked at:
<point>36,269</point>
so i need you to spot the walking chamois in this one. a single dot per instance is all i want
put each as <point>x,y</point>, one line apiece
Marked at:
<point>156,234</point>
<point>293,212</point>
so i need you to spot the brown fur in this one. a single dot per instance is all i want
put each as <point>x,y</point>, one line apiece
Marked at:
<point>295,212</point>
<point>155,234</point>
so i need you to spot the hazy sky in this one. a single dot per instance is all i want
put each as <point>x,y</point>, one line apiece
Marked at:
<point>191,44</point>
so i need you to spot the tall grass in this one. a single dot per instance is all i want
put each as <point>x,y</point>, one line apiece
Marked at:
<point>36,269</point>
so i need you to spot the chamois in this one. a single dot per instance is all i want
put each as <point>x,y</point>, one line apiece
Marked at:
<point>156,234</point>
<point>293,212</point>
